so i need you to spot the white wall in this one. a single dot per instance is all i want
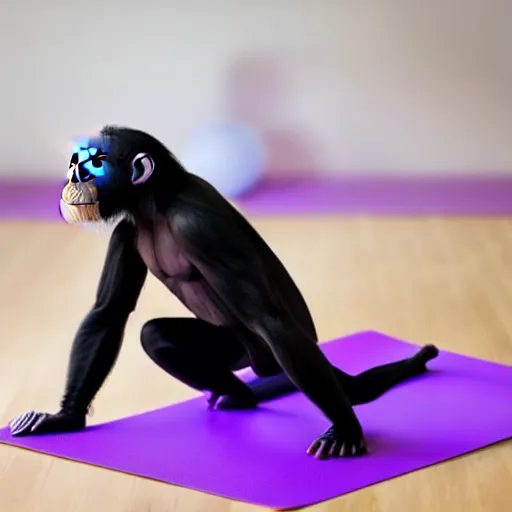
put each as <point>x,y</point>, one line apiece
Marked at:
<point>337,86</point>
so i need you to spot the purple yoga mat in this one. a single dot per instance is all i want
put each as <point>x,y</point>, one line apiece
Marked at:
<point>259,457</point>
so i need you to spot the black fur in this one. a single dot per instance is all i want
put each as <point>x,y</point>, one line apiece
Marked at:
<point>248,310</point>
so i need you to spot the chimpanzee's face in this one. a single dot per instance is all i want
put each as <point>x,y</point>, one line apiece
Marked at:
<point>102,177</point>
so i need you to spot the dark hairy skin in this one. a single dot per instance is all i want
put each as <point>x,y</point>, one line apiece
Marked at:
<point>209,256</point>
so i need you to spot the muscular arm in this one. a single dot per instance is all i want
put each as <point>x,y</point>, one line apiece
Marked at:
<point>99,337</point>
<point>230,261</point>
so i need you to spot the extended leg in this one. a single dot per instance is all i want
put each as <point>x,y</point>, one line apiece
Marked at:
<point>373,383</point>
<point>198,354</point>
<point>361,388</point>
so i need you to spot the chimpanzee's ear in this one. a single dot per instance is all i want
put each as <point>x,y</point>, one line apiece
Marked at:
<point>142,168</point>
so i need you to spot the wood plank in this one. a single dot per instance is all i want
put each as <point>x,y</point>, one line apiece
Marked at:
<point>445,281</point>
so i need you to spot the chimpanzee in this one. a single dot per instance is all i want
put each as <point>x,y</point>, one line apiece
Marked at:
<point>247,310</point>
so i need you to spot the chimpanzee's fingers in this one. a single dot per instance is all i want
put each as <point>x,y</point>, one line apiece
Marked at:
<point>315,445</point>
<point>325,448</point>
<point>335,448</point>
<point>23,422</point>
<point>213,400</point>
<point>38,422</point>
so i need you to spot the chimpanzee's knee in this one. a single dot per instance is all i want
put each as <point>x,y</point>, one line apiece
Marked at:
<point>153,339</point>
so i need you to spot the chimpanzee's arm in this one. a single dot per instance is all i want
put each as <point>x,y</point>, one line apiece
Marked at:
<point>98,340</point>
<point>99,337</point>
<point>217,242</point>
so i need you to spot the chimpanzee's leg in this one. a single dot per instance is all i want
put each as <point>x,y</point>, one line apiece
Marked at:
<point>362,388</point>
<point>200,355</point>
<point>371,384</point>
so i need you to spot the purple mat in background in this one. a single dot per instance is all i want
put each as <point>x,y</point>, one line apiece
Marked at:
<point>462,405</point>
<point>382,196</point>
<point>315,195</point>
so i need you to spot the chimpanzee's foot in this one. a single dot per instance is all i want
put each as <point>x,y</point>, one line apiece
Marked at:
<point>245,401</point>
<point>423,356</point>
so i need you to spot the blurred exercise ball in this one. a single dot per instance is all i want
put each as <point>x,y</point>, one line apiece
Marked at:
<point>229,156</point>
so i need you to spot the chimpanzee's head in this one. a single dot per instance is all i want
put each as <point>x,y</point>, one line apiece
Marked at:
<point>111,173</point>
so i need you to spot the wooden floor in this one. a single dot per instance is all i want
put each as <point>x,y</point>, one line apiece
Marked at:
<point>439,281</point>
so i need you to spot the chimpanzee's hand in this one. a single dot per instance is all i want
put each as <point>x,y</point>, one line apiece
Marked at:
<point>33,423</point>
<point>339,441</point>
